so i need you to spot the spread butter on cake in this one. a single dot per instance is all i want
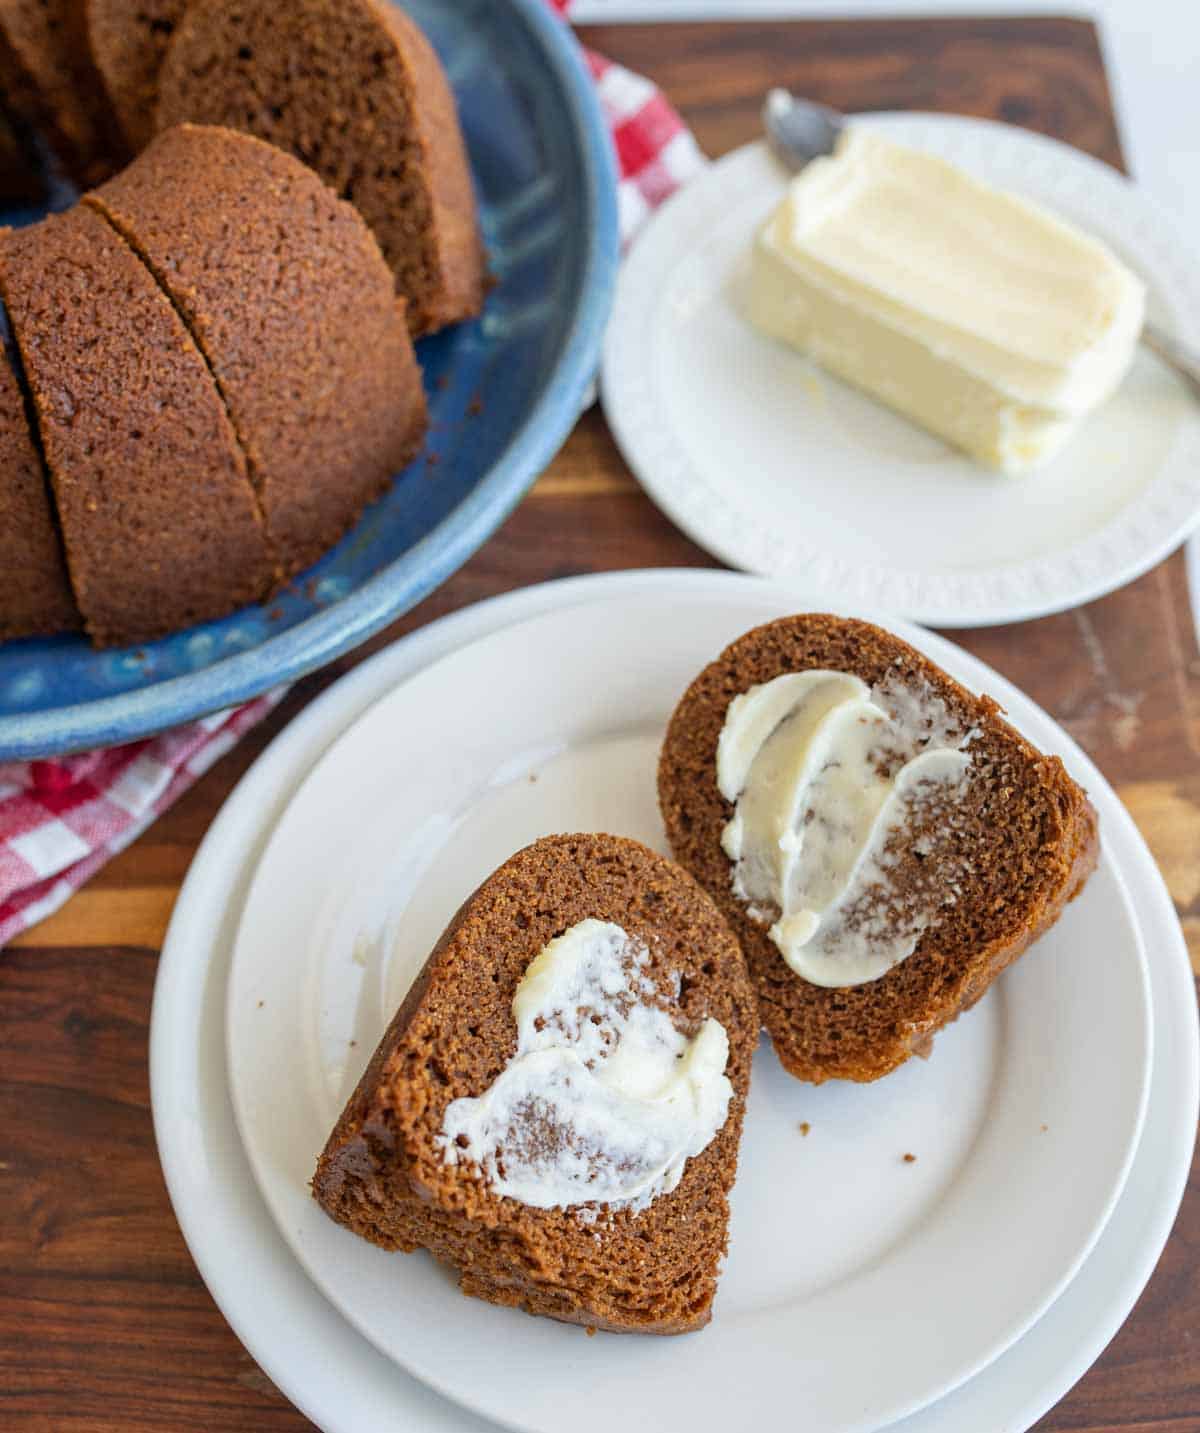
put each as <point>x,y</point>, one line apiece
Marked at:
<point>555,1109</point>
<point>882,842</point>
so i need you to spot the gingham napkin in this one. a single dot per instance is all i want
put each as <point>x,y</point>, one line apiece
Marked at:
<point>60,821</point>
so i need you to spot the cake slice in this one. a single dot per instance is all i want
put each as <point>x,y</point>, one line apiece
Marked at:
<point>354,89</point>
<point>35,596</point>
<point>48,83</point>
<point>882,842</point>
<point>128,39</point>
<point>159,520</point>
<point>556,1107</point>
<point>284,290</point>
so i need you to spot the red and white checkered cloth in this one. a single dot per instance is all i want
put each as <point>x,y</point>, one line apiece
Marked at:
<point>655,149</point>
<point>60,821</point>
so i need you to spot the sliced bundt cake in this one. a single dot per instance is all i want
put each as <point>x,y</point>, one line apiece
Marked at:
<point>35,597</point>
<point>159,520</point>
<point>287,296</point>
<point>882,842</point>
<point>555,1109</point>
<point>353,88</point>
<point>128,39</point>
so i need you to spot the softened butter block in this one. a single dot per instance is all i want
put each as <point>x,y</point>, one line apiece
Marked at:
<point>977,314</point>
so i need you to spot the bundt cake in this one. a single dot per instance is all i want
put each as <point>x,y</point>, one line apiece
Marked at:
<point>607,1205</point>
<point>881,841</point>
<point>292,396</point>
<point>289,300</point>
<point>159,520</point>
<point>128,39</point>
<point>353,88</point>
<point>48,83</point>
<point>35,597</point>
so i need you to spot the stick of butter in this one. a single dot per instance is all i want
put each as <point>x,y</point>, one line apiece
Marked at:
<point>977,314</point>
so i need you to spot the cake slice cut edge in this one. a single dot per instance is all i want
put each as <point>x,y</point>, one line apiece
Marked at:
<point>646,1266</point>
<point>294,301</point>
<point>142,460</point>
<point>355,90</point>
<point>1024,837</point>
<point>36,598</point>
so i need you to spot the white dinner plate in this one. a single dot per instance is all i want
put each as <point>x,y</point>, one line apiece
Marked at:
<point>781,469</point>
<point>1023,1124</point>
<point>315,1356</point>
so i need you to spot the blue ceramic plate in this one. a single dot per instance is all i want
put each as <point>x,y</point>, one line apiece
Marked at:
<point>503,393</point>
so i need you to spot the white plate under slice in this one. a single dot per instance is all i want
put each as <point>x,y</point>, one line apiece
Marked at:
<point>781,469</point>
<point>859,1286</point>
<point>339,1379</point>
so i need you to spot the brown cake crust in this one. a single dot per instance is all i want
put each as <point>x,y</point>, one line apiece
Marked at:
<point>1028,829</point>
<point>49,83</point>
<point>287,296</point>
<point>353,88</point>
<point>35,596</point>
<point>128,39</point>
<point>382,1175</point>
<point>159,520</point>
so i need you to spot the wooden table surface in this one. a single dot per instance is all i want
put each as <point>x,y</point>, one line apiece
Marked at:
<point>104,1322</point>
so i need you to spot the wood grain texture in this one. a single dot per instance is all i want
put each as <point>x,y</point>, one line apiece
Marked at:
<point>104,1323</point>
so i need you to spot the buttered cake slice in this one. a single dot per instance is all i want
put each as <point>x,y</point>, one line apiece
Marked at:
<point>881,841</point>
<point>973,312</point>
<point>556,1108</point>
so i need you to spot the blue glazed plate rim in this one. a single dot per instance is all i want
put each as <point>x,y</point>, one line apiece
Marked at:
<point>387,595</point>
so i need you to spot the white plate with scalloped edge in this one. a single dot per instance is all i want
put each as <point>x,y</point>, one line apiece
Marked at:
<point>1024,1123</point>
<point>339,1379</point>
<point>781,469</point>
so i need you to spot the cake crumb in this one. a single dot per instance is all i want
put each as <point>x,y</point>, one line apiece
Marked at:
<point>560,877</point>
<point>353,1043</point>
<point>533,778</point>
<point>805,1127</point>
<point>261,1003</point>
<point>475,406</point>
<point>1045,1128</point>
<point>910,1159</point>
<point>591,1332</point>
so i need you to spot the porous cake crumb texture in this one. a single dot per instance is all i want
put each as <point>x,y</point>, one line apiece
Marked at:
<point>383,1174</point>
<point>158,517</point>
<point>35,597</point>
<point>1017,842</point>
<point>292,306</point>
<point>353,89</point>
<point>128,40</point>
